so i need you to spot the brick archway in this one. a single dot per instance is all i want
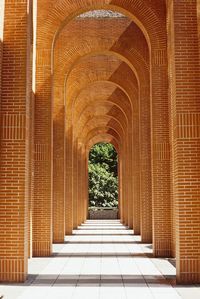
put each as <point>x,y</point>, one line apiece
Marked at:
<point>157,56</point>
<point>151,59</point>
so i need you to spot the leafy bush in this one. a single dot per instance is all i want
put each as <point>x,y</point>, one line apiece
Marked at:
<point>103,180</point>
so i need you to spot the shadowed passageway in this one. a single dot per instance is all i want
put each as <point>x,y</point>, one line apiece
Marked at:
<point>102,259</point>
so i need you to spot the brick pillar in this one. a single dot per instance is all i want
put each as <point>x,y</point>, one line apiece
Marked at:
<point>86,199</point>
<point>172,89</point>
<point>130,181</point>
<point>79,185</point>
<point>185,106</point>
<point>124,187</point>
<point>75,182</point>
<point>119,193</point>
<point>31,173</point>
<point>30,128</point>
<point>198,20</point>
<point>145,167</point>
<point>83,184</point>
<point>2,6</point>
<point>14,153</point>
<point>42,207</point>
<point>136,176</point>
<point>58,167</point>
<point>83,170</point>
<point>126,183</point>
<point>69,181</point>
<point>120,207</point>
<point>161,206</point>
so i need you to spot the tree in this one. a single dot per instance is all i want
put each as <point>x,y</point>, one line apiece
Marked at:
<point>103,180</point>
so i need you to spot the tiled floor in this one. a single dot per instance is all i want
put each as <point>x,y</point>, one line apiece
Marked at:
<point>102,259</point>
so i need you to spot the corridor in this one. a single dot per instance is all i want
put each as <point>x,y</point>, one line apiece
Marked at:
<point>102,259</point>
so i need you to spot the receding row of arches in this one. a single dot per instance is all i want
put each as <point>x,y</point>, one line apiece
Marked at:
<point>126,73</point>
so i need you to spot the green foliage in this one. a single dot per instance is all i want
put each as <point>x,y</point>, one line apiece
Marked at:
<point>103,181</point>
<point>105,155</point>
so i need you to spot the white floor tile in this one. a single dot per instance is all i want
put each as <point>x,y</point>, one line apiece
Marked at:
<point>102,259</point>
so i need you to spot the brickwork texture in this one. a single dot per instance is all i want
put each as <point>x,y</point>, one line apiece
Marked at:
<point>75,73</point>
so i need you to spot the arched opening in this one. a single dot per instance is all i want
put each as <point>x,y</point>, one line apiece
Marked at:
<point>96,96</point>
<point>103,193</point>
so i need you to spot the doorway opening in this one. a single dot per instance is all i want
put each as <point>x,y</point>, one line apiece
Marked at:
<point>103,182</point>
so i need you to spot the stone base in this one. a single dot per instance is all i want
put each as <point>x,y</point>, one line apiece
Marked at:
<point>103,214</point>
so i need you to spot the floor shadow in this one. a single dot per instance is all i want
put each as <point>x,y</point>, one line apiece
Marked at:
<point>118,230</point>
<point>103,242</point>
<point>100,234</point>
<point>104,255</point>
<point>172,261</point>
<point>65,280</point>
<point>149,246</point>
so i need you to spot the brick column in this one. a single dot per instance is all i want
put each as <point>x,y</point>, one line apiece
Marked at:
<point>125,185</point>
<point>2,6</point>
<point>79,184</point>
<point>58,167</point>
<point>42,208</point>
<point>30,129</point>
<point>185,107</point>
<point>198,19</point>
<point>31,173</point>
<point>120,196</point>
<point>69,180</point>
<point>129,180</point>
<point>75,182</point>
<point>83,183</point>
<point>86,186</point>
<point>136,175</point>
<point>122,185</point>
<point>14,148</point>
<point>161,206</point>
<point>145,167</point>
<point>119,193</point>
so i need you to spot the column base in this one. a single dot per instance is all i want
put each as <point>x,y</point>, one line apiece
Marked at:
<point>173,250</point>
<point>130,221</point>
<point>125,223</point>
<point>188,271</point>
<point>68,229</point>
<point>162,248</point>
<point>68,232</point>
<point>42,248</point>
<point>146,237</point>
<point>13,270</point>
<point>136,231</point>
<point>130,226</point>
<point>59,239</point>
